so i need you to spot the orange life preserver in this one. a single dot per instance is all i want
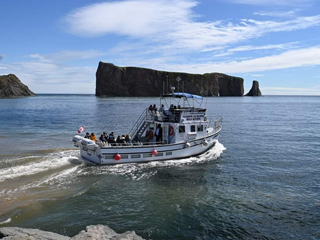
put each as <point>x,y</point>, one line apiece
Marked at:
<point>171,130</point>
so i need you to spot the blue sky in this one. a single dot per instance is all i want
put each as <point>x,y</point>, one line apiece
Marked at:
<point>55,46</point>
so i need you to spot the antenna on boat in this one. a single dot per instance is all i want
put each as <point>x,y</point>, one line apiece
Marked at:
<point>178,80</point>
<point>167,85</point>
<point>162,88</point>
<point>172,89</point>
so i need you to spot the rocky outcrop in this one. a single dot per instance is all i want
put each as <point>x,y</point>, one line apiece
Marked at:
<point>95,232</point>
<point>11,86</point>
<point>15,233</point>
<point>112,80</point>
<point>254,91</point>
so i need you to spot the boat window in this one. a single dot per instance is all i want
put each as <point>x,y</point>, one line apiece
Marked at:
<point>200,128</point>
<point>124,156</point>
<point>159,154</point>
<point>193,128</point>
<point>147,155</point>
<point>168,153</point>
<point>135,156</point>
<point>182,129</point>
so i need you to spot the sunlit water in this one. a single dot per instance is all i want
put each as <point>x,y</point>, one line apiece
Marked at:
<point>260,181</point>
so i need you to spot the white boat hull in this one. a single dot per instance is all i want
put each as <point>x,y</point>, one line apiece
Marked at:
<point>100,155</point>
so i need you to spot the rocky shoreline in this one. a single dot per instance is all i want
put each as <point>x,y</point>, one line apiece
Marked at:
<point>93,232</point>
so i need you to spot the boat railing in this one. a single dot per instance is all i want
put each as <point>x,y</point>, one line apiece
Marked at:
<point>134,130</point>
<point>218,124</point>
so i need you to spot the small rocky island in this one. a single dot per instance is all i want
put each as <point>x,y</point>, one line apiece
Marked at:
<point>11,86</point>
<point>112,80</point>
<point>254,91</point>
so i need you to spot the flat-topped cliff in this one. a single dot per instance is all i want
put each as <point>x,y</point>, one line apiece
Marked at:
<point>11,86</point>
<point>112,80</point>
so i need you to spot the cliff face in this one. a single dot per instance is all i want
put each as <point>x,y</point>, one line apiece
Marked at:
<point>11,86</point>
<point>254,91</point>
<point>132,81</point>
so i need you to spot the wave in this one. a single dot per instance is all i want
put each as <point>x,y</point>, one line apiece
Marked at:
<point>48,162</point>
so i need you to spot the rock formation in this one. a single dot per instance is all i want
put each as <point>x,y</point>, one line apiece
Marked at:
<point>96,232</point>
<point>133,81</point>
<point>11,86</point>
<point>254,91</point>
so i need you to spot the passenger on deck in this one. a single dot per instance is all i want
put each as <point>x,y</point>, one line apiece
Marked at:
<point>150,108</point>
<point>171,108</point>
<point>102,138</point>
<point>154,108</point>
<point>122,140</point>
<point>159,133</point>
<point>128,139</point>
<point>106,136</point>
<point>111,138</point>
<point>149,135</point>
<point>93,137</point>
<point>87,135</point>
<point>161,109</point>
<point>118,140</point>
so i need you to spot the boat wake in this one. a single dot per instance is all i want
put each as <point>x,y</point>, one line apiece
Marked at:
<point>63,174</point>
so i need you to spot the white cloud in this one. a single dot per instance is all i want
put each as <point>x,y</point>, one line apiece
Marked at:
<point>286,14</point>
<point>289,91</point>
<point>274,2</point>
<point>257,75</point>
<point>290,59</point>
<point>172,24</point>
<point>45,77</point>
<point>265,47</point>
<point>67,55</point>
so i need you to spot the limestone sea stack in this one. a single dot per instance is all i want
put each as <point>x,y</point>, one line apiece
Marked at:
<point>112,80</point>
<point>254,91</point>
<point>11,86</point>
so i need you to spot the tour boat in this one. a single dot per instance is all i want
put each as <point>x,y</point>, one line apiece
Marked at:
<point>173,132</point>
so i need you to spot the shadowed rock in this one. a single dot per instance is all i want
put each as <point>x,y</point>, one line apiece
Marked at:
<point>254,91</point>
<point>112,80</point>
<point>15,233</point>
<point>96,232</point>
<point>11,86</point>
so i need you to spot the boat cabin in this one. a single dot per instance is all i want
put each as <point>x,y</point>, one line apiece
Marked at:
<point>177,121</point>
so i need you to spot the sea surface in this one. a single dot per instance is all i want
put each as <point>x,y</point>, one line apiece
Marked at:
<point>260,181</point>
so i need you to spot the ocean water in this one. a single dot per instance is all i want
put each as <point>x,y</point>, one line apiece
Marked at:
<point>260,181</point>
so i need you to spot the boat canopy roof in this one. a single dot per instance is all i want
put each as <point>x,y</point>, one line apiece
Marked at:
<point>181,94</point>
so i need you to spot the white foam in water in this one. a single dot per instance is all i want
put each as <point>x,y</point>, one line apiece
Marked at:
<point>134,170</point>
<point>6,221</point>
<point>52,161</point>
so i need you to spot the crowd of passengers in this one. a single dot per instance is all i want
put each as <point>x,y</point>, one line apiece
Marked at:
<point>171,109</point>
<point>104,138</point>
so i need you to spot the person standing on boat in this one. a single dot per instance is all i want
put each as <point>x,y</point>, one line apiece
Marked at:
<point>149,135</point>
<point>159,133</point>
<point>111,138</point>
<point>87,135</point>
<point>106,136</point>
<point>93,137</point>
<point>154,108</point>
<point>128,139</point>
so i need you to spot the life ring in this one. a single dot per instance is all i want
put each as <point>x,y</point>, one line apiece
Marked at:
<point>171,130</point>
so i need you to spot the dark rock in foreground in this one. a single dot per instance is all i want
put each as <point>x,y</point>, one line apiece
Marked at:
<point>96,232</point>
<point>133,81</point>
<point>254,91</point>
<point>11,86</point>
